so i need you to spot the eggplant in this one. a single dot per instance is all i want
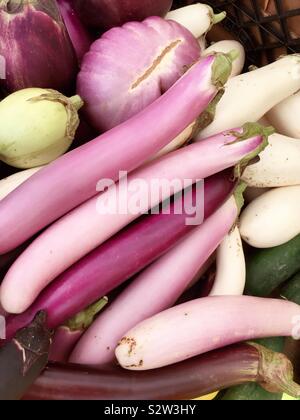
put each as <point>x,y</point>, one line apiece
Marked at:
<point>35,46</point>
<point>196,377</point>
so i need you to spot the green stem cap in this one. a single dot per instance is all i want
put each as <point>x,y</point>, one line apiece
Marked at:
<point>276,372</point>
<point>251,130</point>
<point>219,17</point>
<point>85,318</point>
<point>222,67</point>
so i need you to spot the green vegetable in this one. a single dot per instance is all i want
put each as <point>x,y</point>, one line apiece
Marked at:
<point>36,126</point>
<point>253,391</point>
<point>268,269</point>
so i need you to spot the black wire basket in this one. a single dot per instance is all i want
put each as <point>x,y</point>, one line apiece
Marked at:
<point>266,28</point>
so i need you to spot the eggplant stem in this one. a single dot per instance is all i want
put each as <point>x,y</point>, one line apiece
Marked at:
<point>239,195</point>
<point>77,102</point>
<point>233,54</point>
<point>221,69</point>
<point>219,17</point>
<point>251,130</point>
<point>85,318</point>
<point>276,373</point>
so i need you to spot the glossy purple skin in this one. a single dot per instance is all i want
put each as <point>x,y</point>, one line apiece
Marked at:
<point>63,343</point>
<point>190,379</point>
<point>80,37</point>
<point>131,66</point>
<point>106,14</point>
<point>135,247</point>
<point>36,47</point>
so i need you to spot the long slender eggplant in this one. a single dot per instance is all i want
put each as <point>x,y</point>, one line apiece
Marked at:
<point>103,216</point>
<point>202,325</point>
<point>135,248</point>
<point>231,267</point>
<point>202,375</point>
<point>24,358</point>
<point>31,207</point>
<point>163,283</point>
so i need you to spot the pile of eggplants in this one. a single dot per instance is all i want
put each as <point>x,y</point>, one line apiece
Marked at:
<point>147,88</point>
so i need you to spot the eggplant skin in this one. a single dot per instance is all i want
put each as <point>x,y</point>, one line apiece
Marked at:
<point>36,48</point>
<point>24,358</point>
<point>106,14</point>
<point>186,380</point>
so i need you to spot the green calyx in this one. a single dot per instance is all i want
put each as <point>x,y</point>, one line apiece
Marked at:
<point>77,102</point>
<point>215,18</point>
<point>222,67</point>
<point>208,116</point>
<point>251,130</point>
<point>219,17</point>
<point>84,319</point>
<point>276,372</point>
<point>239,195</point>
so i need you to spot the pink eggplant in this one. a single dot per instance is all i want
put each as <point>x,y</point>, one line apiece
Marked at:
<point>91,224</point>
<point>72,179</point>
<point>135,247</point>
<point>203,325</point>
<point>163,283</point>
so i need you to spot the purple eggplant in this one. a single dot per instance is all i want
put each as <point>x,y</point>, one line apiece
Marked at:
<point>192,378</point>
<point>133,248</point>
<point>36,47</point>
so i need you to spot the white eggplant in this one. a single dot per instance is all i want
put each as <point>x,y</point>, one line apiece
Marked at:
<point>37,126</point>
<point>273,218</point>
<point>231,267</point>
<point>250,96</point>
<point>179,141</point>
<point>284,116</point>
<point>278,166</point>
<point>7,185</point>
<point>226,47</point>
<point>202,42</point>
<point>197,18</point>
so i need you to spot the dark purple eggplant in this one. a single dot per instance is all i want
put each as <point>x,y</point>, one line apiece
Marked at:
<point>105,14</point>
<point>36,47</point>
<point>24,358</point>
<point>193,378</point>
